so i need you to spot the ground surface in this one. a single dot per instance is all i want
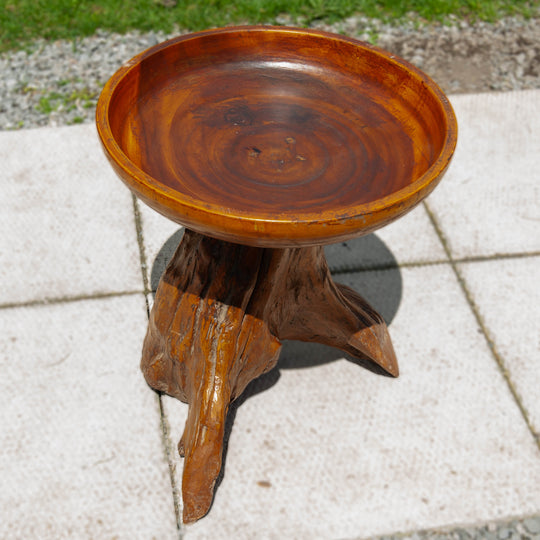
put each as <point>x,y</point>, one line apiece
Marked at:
<point>465,408</point>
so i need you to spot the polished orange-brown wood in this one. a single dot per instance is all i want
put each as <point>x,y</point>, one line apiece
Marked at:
<point>276,136</point>
<point>266,143</point>
<point>220,313</point>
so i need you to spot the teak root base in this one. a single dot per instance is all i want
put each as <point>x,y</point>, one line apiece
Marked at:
<point>220,313</point>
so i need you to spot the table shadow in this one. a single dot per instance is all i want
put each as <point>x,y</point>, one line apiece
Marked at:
<point>365,264</point>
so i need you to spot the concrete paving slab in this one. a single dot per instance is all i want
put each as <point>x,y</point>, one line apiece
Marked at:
<point>321,448</point>
<point>82,455</point>
<point>67,222</point>
<point>489,201</point>
<point>507,295</point>
<point>161,236</point>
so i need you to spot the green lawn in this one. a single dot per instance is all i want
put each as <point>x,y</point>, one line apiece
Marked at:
<point>23,20</point>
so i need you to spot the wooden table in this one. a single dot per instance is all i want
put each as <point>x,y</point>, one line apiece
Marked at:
<point>266,143</point>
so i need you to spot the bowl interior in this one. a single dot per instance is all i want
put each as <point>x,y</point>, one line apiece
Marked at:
<point>276,125</point>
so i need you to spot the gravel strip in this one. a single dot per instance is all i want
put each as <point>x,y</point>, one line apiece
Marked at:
<point>58,83</point>
<point>517,529</point>
<point>463,58</point>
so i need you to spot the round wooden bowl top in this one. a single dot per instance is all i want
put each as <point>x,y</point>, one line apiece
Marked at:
<point>275,136</point>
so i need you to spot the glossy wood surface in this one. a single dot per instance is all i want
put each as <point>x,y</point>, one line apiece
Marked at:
<point>219,315</point>
<point>274,136</point>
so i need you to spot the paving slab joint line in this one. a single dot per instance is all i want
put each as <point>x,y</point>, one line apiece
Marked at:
<point>165,429</point>
<point>142,251</point>
<point>496,257</point>
<point>167,444</point>
<point>351,268</point>
<point>491,344</point>
<point>64,299</point>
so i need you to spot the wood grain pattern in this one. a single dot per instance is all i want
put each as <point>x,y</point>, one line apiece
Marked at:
<point>276,136</point>
<point>220,313</point>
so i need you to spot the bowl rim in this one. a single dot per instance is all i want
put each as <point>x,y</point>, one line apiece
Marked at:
<point>265,227</point>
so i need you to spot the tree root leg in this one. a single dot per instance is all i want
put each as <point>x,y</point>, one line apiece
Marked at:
<point>220,313</point>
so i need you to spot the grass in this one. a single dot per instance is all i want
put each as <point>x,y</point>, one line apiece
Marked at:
<point>24,20</point>
<point>54,100</point>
